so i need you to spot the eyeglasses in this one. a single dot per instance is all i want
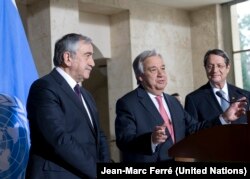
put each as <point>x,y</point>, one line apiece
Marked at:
<point>219,66</point>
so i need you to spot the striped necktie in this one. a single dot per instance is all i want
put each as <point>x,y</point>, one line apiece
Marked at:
<point>224,104</point>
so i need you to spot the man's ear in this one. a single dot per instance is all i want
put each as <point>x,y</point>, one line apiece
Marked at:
<point>67,60</point>
<point>140,78</point>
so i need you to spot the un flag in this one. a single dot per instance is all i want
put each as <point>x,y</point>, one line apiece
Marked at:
<point>17,73</point>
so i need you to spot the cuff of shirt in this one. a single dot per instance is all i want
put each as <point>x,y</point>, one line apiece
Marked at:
<point>223,121</point>
<point>153,146</point>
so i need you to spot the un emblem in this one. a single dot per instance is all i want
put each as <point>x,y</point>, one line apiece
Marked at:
<point>14,138</point>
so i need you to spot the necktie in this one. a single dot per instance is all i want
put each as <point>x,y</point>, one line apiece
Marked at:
<point>224,104</point>
<point>77,91</point>
<point>165,117</point>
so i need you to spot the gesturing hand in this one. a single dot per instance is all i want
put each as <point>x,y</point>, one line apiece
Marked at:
<point>159,134</point>
<point>235,110</point>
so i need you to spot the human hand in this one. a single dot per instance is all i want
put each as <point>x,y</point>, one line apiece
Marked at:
<point>235,110</point>
<point>159,134</point>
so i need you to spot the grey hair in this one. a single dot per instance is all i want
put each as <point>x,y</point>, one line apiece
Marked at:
<point>68,43</point>
<point>138,62</point>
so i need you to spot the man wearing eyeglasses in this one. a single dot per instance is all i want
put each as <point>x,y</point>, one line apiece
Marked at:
<point>149,121</point>
<point>212,99</point>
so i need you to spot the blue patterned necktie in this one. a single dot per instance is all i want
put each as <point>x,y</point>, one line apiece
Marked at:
<point>224,104</point>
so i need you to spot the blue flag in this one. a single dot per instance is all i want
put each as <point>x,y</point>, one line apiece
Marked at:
<point>17,72</point>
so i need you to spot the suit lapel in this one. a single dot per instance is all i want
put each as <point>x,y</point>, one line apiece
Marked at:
<point>91,109</point>
<point>211,99</point>
<point>233,94</point>
<point>66,88</point>
<point>148,104</point>
<point>72,96</point>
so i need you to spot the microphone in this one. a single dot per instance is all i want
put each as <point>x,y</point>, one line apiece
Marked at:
<point>218,93</point>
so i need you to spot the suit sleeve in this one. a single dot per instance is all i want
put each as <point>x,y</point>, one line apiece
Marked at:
<point>127,136</point>
<point>104,155</point>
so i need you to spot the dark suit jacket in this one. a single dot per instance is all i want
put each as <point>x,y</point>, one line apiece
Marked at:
<point>63,142</point>
<point>137,117</point>
<point>203,105</point>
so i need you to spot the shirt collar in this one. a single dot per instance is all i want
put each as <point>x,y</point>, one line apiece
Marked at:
<point>224,89</point>
<point>72,83</point>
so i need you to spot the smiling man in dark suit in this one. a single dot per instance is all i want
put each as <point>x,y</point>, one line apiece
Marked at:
<point>145,127</point>
<point>203,103</point>
<point>66,139</point>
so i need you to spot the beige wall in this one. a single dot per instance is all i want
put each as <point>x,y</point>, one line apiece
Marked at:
<point>206,34</point>
<point>120,31</point>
